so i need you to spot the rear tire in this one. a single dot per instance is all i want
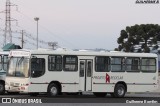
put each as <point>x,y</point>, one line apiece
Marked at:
<point>100,94</point>
<point>119,91</point>
<point>53,90</point>
<point>2,88</point>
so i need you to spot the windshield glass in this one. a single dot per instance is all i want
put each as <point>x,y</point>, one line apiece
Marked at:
<point>18,67</point>
<point>5,62</point>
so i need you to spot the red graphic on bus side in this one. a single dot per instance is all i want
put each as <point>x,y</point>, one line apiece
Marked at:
<point>107,78</point>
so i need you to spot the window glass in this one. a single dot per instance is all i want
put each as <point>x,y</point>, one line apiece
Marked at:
<point>55,63</point>
<point>37,67</point>
<point>132,64</point>
<point>82,68</point>
<point>18,67</point>
<point>70,63</point>
<point>102,64</point>
<point>89,69</point>
<point>5,63</point>
<point>22,67</point>
<point>148,65</point>
<point>117,64</point>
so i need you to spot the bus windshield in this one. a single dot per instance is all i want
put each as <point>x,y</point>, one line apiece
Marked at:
<point>18,67</point>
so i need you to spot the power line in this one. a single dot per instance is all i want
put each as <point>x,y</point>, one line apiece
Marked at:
<point>8,28</point>
<point>29,35</point>
<point>50,32</point>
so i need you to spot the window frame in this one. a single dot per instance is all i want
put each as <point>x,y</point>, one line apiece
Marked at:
<point>55,63</point>
<point>122,65</point>
<point>44,71</point>
<point>109,63</point>
<point>150,71</point>
<point>76,63</point>
<point>139,65</point>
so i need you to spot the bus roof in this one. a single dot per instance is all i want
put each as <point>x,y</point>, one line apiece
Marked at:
<point>84,53</point>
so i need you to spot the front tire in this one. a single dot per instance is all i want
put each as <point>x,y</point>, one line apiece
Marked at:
<point>119,91</point>
<point>2,89</point>
<point>53,90</point>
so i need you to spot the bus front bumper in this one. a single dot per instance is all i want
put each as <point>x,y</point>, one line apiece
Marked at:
<point>20,89</point>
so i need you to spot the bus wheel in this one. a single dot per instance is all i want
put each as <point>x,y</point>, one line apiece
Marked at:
<point>53,90</point>
<point>119,91</point>
<point>100,94</point>
<point>2,89</point>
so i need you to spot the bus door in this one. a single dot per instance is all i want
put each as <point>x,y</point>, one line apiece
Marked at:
<point>85,74</point>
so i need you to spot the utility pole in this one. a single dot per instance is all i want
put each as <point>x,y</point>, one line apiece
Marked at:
<point>53,45</point>
<point>22,40</point>
<point>8,31</point>
<point>37,19</point>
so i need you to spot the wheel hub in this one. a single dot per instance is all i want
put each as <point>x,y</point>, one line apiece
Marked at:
<point>120,91</point>
<point>54,90</point>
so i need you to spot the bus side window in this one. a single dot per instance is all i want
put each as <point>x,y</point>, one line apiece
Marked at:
<point>70,63</point>
<point>37,67</point>
<point>55,63</point>
<point>132,64</point>
<point>117,64</point>
<point>102,64</point>
<point>148,65</point>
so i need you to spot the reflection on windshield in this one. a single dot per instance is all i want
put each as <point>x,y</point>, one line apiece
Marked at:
<point>5,62</point>
<point>18,67</point>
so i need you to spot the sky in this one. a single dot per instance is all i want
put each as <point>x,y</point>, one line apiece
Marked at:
<point>78,24</point>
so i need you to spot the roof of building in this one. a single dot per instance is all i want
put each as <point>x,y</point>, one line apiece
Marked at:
<point>10,46</point>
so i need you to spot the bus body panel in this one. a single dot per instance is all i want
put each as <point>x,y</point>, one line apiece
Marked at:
<point>14,84</point>
<point>90,80</point>
<point>132,80</point>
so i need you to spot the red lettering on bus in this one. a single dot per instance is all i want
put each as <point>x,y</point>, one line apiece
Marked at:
<point>107,78</point>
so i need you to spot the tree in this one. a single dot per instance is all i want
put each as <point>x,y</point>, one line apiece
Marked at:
<point>145,36</point>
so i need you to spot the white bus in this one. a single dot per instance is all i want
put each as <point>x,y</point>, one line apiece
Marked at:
<point>3,69</point>
<point>55,72</point>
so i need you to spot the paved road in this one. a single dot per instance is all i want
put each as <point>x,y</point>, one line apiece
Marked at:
<point>89,98</point>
